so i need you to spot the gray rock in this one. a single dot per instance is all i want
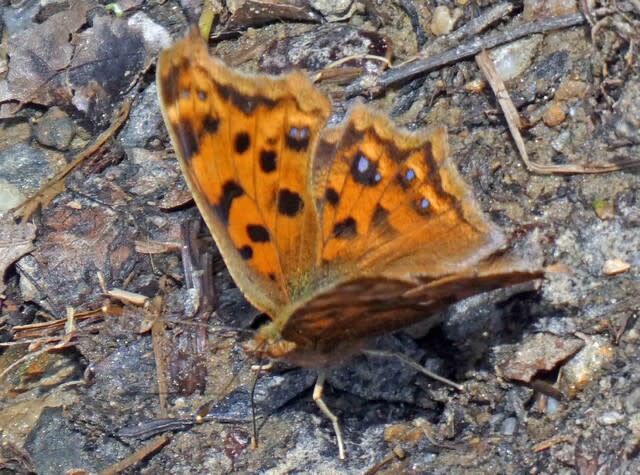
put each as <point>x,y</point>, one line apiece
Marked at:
<point>24,166</point>
<point>145,122</point>
<point>55,129</point>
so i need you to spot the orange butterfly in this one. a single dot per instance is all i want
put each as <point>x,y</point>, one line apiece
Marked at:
<point>339,234</point>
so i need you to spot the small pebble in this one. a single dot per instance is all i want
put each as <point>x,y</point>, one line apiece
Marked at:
<point>55,129</point>
<point>615,267</point>
<point>610,418</point>
<point>10,196</point>
<point>513,59</point>
<point>571,89</point>
<point>475,86</point>
<point>561,141</point>
<point>332,8</point>
<point>179,403</point>
<point>632,401</point>
<point>443,20</point>
<point>554,115</point>
<point>587,366</point>
<point>538,9</point>
<point>509,426</point>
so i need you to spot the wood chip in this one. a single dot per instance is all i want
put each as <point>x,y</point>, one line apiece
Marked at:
<point>615,267</point>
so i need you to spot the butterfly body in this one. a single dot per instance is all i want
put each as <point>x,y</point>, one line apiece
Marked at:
<point>339,234</point>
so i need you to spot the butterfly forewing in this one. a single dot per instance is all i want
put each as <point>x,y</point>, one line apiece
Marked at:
<point>244,148</point>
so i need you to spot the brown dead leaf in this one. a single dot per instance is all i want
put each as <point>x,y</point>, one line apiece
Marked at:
<point>541,352</point>
<point>37,56</point>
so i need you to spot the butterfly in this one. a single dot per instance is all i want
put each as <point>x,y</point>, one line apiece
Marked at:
<point>338,233</point>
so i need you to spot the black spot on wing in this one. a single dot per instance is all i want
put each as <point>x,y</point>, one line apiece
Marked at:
<point>211,125</point>
<point>289,203</point>
<point>258,233</point>
<point>242,142</point>
<point>268,160</point>
<point>246,252</point>
<point>332,196</point>
<point>230,191</point>
<point>364,171</point>
<point>345,229</point>
<point>297,138</point>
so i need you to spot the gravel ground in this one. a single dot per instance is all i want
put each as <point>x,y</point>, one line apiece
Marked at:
<point>550,373</point>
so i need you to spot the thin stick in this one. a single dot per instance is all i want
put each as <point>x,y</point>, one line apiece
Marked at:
<point>53,187</point>
<point>421,65</point>
<point>138,456</point>
<point>513,121</point>
<point>403,359</point>
<point>254,441</point>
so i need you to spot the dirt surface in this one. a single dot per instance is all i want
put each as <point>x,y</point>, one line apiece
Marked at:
<point>550,374</point>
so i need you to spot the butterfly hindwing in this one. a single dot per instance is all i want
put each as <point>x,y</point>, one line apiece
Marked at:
<point>391,201</point>
<point>373,306</point>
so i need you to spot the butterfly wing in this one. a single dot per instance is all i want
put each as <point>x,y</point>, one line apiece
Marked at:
<point>244,147</point>
<point>392,202</point>
<point>405,231</point>
<point>339,233</point>
<point>337,322</point>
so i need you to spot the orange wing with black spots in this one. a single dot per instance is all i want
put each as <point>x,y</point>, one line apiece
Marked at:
<point>244,146</point>
<point>391,202</point>
<point>338,233</point>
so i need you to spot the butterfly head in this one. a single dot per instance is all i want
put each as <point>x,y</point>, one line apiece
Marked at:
<point>268,343</point>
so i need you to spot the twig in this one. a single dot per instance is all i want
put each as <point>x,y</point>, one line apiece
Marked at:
<point>408,71</point>
<point>586,9</point>
<point>627,322</point>
<point>555,440</point>
<point>138,456</point>
<point>409,362</point>
<point>513,121</point>
<point>25,359</point>
<point>414,18</point>
<point>471,28</point>
<point>33,330</point>
<point>55,186</point>
<point>396,453</point>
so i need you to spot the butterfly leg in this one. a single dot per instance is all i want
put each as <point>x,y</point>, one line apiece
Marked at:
<point>317,397</point>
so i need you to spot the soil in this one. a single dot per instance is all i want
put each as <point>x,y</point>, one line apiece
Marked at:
<point>550,372</point>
